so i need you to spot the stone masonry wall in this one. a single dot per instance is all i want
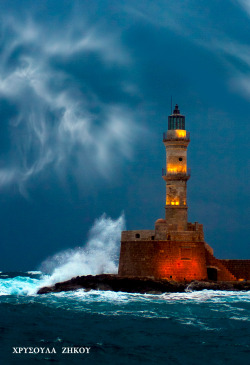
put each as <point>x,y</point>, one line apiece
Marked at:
<point>138,235</point>
<point>176,215</point>
<point>239,268</point>
<point>223,274</point>
<point>180,261</point>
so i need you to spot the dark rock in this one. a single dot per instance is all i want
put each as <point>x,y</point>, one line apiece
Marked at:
<point>210,285</point>
<point>139,285</point>
<point>115,283</point>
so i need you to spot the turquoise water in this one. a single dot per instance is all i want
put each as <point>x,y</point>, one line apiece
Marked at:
<point>207,327</point>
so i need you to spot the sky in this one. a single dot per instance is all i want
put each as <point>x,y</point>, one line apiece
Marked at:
<point>85,90</point>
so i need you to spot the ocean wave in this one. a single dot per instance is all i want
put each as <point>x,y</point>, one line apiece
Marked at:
<point>23,285</point>
<point>99,255</point>
<point>195,307</point>
<point>34,272</point>
<point>208,295</point>
<point>191,306</point>
<point>241,318</point>
<point>18,286</point>
<point>122,298</point>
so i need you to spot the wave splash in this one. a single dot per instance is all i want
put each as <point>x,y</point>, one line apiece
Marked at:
<point>98,256</point>
<point>19,285</point>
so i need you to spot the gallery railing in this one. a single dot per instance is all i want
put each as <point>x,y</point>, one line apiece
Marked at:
<point>166,137</point>
<point>176,173</point>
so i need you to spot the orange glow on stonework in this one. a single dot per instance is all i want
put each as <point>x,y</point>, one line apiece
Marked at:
<point>175,169</point>
<point>181,269</point>
<point>181,133</point>
<point>172,202</point>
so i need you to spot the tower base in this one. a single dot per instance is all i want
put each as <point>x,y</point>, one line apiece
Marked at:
<point>166,253</point>
<point>173,260</point>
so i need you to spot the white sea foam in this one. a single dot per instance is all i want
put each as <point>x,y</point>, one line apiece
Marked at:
<point>99,255</point>
<point>18,286</point>
<point>208,295</point>
<point>34,272</point>
<point>241,319</point>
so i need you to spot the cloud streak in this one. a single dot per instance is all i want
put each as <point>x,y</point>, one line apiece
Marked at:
<point>60,123</point>
<point>202,26</point>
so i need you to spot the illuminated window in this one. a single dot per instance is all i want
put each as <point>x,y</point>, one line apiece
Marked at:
<point>176,168</point>
<point>175,203</point>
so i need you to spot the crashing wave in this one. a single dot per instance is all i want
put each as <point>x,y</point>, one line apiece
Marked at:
<point>19,286</point>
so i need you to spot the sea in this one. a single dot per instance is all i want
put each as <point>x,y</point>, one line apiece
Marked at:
<point>104,327</point>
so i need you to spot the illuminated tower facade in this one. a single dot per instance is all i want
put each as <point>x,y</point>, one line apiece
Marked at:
<point>175,249</point>
<point>176,174</point>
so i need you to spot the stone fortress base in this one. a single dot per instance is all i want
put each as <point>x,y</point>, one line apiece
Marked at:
<point>165,253</point>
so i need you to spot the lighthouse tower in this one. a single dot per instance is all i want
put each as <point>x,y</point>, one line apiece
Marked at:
<point>175,249</point>
<point>176,174</point>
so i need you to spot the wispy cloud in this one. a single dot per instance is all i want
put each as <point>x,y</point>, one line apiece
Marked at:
<point>245,4</point>
<point>199,25</point>
<point>61,121</point>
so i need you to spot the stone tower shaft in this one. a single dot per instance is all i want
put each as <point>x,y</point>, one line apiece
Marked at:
<point>176,174</point>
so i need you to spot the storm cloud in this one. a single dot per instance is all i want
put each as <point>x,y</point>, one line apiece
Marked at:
<point>64,101</point>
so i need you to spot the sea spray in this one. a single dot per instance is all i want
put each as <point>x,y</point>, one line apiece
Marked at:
<point>99,255</point>
<point>19,285</point>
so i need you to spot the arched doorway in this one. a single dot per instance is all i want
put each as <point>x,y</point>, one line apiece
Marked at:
<point>212,273</point>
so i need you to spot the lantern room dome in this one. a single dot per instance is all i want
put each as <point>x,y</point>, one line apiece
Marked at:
<point>176,120</point>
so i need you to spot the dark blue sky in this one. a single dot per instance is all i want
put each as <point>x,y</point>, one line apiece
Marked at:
<point>85,91</point>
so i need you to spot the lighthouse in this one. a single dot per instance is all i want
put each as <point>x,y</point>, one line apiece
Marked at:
<point>175,249</point>
<point>176,174</point>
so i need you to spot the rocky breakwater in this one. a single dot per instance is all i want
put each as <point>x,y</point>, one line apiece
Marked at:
<point>139,285</point>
